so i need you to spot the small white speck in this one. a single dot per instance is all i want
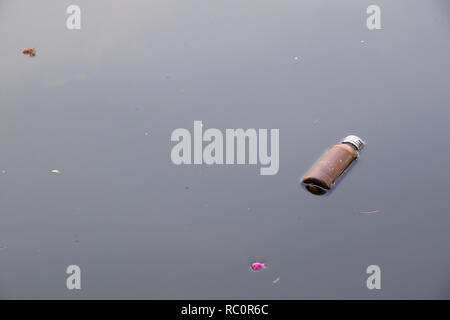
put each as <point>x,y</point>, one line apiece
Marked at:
<point>295,58</point>
<point>146,133</point>
<point>3,171</point>
<point>362,41</point>
<point>55,171</point>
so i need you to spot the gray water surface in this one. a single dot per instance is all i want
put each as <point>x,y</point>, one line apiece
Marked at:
<point>99,104</point>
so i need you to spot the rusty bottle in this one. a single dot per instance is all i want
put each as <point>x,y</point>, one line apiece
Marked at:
<point>333,163</point>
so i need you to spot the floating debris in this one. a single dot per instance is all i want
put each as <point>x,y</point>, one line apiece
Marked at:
<point>362,41</point>
<point>55,171</point>
<point>30,52</point>
<point>333,163</point>
<point>295,58</point>
<point>146,133</point>
<point>256,266</point>
<point>276,280</point>
<point>2,248</point>
<point>316,121</point>
<point>187,188</point>
<point>374,211</point>
<point>4,171</point>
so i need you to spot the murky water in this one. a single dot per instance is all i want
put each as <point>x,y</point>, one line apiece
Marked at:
<point>99,105</point>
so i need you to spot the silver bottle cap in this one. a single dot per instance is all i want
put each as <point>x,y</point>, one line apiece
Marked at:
<point>354,140</point>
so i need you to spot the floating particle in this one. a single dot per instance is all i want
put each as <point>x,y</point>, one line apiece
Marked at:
<point>2,248</point>
<point>3,171</point>
<point>362,41</point>
<point>256,266</point>
<point>146,133</point>
<point>187,188</point>
<point>374,211</point>
<point>276,280</point>
<point>316,121</point>
<point>30,52</point>
<point>55,171</point>
<point>295,58</point>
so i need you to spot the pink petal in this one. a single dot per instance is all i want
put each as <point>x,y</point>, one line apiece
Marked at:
<point>257,266</point>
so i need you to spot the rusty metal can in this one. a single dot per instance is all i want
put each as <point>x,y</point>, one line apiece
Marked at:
<point>333,163</point>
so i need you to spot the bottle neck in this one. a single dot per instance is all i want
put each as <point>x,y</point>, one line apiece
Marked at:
<point>351,145</point>
<point>354,141</point>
